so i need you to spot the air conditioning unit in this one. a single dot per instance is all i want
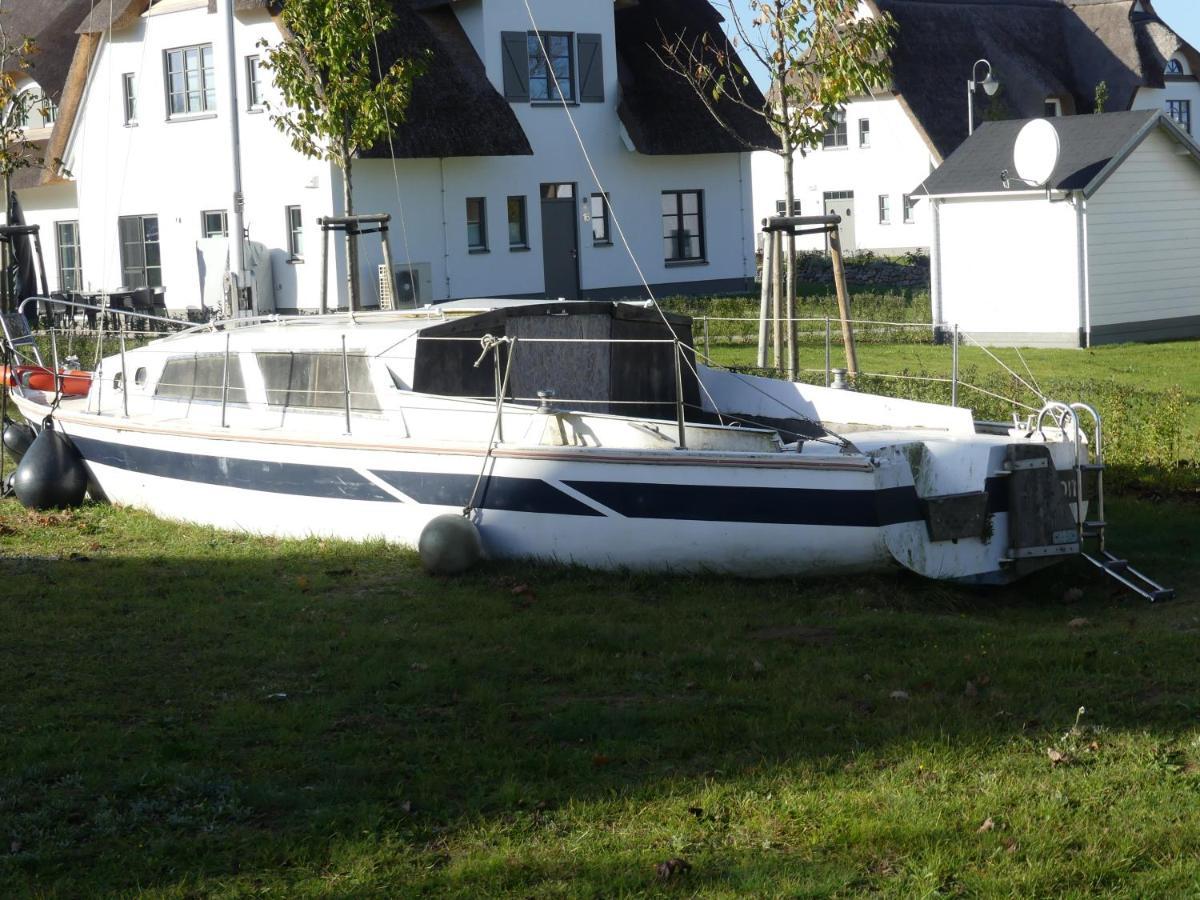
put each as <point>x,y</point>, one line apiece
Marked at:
<point>410,286</point>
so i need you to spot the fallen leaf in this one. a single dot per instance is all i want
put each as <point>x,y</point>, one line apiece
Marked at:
<point>601,760</point>
<point>1072,595</point>
<point>419,667</point>
<point>520,589</point>
<point>672,868</point>
<point>1010,845</point>
<point>758,666</point>
<point>279,696</point>
<point>15,847</point>
<point>303,583</point>
<point>1057,757</point>
<point>988,825</point>
<point>1079,623</point>
<point>970,690</point>
<point>899,695</point>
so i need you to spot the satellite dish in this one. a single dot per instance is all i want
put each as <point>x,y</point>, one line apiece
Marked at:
<point>1036,151</point>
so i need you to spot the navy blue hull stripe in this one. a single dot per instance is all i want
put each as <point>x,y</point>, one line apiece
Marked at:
<point>681,502</point>
<point>328,482</point>
<point>514,494</point>
<point>766,505</point>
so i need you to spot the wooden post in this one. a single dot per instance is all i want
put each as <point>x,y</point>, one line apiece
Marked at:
<point>777,298</point>
<point>843,298</point>
<point>765,301</point>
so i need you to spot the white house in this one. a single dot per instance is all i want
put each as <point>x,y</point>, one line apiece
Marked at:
<point>488,188</point>
<point>1048,56</point>
<point>1107,251</point>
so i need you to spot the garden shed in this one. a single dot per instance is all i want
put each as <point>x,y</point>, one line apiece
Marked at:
<point>1107,250</point>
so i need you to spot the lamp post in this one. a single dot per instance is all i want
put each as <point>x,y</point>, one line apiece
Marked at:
<point>990,86</point>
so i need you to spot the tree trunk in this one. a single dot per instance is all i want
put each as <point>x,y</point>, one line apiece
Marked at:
<point>351,236</point>
<point>789,163</point>
<point>6,290</point>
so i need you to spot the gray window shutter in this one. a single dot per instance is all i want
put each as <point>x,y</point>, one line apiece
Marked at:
<point>514,56</point>
<point>591,68</point>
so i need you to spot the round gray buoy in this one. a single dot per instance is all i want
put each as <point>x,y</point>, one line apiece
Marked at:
<point>17,438</point>
<point>51,475</point>
<point>449,545</point>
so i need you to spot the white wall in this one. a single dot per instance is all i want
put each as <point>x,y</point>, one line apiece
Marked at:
<point>1144,237</point>
<point>1009,267</point>
<point>46,206</point>
<point>176,169</point>
<point>896,162</point>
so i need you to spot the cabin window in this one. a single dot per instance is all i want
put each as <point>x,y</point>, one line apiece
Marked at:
<point>518,224</point>
<point>129,97</point>
<point>864,133</point>
<point>253,86</point>
<point>141,259</point>
<point>885,209</point>
<point>317,380</point>
<point>781,207</point>
<point>910,207</point>
<point>551,66</point>
<point>66,236</point>
<point>837,135</point>
<point>1181,112</point>
<point>191,82</point>
<point>214,223</point>
<point>598,211</point>
<point>477,224</point>
<point>199,377</point>
<point>295,231</point>
<point>683,226</point>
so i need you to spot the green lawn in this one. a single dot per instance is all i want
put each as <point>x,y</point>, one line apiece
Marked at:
<point>190,713</point>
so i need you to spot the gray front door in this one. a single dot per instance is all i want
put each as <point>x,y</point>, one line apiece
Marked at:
<point>841,203</point>
<point>560,241</point>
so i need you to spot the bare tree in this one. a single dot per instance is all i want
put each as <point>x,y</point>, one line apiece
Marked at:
<point>820,54</point>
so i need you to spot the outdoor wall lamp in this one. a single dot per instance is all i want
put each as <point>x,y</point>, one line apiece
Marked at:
<point>990,86</point>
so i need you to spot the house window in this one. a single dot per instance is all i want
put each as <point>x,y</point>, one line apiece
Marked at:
<point>67,237</point>
<point>683,226</point>
<point>837,135</point>
<point>36,110</point>
<point>1053,108</point>
<point>253,95</point>
<point>885,209</point>
<point>129,97</point>
<point>864,133</point>
<point>1181,112</point>
<point>191,84</point>
<point>214,223</point>
<point>295,231</point>
<point>781,207</point>
<point>598,209</point>
<point>551,67</point>
<point>1174,67</point>
<point>910,206</point>
<point>477,224</point>
<point>141,260</point>
<point>518,224</point>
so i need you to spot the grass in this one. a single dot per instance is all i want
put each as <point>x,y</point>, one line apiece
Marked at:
<point>194,713</point>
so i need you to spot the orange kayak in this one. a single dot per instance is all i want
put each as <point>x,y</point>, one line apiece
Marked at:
<point>74,382</point>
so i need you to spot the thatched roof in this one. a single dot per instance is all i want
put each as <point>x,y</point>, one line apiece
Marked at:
<point>659,109</point>
<point>1090,148</point>
<point>455,110</point>
<point>1039,49</point>
<point>51,24</point>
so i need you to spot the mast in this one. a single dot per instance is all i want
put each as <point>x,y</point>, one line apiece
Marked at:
<point>238,232</point>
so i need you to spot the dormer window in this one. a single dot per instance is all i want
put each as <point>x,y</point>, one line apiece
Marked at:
<point>1053,108</point>
<point>1174,67</point>
<point>36,109</point>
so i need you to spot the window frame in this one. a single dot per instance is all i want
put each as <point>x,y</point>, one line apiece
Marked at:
<point>605,217</point>
<point>129,98</point>
<point>481,223</point>
<point>1055,104</point>
<point>572,75</point>
<point>145,270</point>
<point>910,208</point>
<point>522,221</point>
<point>1184,107</point>
<point>254,102</point>
<point>77,270</point>
<point>864,134</point>
<point>884,207</point>
<point>839,132</point>
<point>206,107</point>
<point>781,208</point>
<point>678,216</point>
<point>293,218</point>
<point>204,229</point>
